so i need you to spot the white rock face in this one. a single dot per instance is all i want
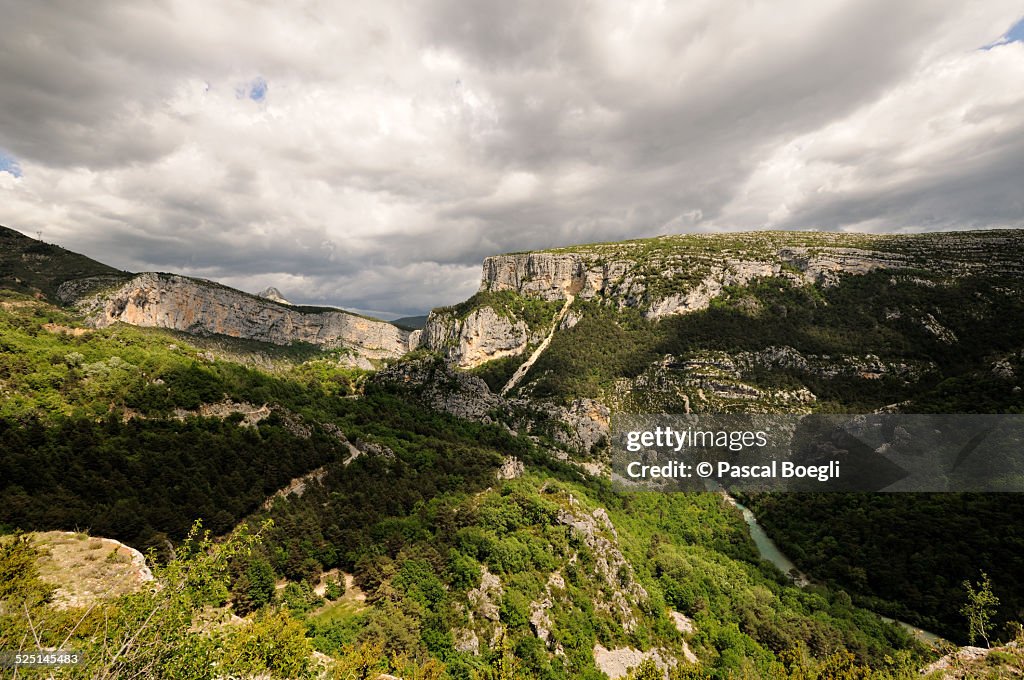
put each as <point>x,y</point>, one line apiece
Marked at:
<point>735,273</point>
<point>482,336</point>
<point>466,641</point>
<point>617,663</point>
<point>486,335</point>
<point>825,265</point>
<point>511,468</point>
<point>180,303</point>
<point>274,294</point>
<point>554,276</point>
<point>541,275</point>
<point>485,601</point>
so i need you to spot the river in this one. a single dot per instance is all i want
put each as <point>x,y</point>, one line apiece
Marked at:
<point>769,551</point>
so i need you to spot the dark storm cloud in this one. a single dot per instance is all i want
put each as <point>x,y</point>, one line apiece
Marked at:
<point>371,156</point>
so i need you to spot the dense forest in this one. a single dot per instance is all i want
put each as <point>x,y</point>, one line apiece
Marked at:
<point>905,554</point>
<point>349,518</point>
<point>104,432</point>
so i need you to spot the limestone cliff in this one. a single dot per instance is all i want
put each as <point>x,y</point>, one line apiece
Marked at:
<point>481,336</point>
<point>677,275</point>
<point>202,307</point>
<point>681,274</point>
<point>668,284</point>
<point>661,277</point>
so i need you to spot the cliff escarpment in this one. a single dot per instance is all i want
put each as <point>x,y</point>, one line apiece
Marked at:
<point>203,308</point>
<point>680,274</point>
<point>635,306</point>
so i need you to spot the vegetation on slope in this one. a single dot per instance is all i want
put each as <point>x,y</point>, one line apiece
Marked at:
<point>915,567</point>
<point>90,441</point>
<point>101,430</point>
<point>31,266</point>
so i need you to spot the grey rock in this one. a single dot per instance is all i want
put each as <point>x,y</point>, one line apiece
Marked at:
<point>481,336</point>
<point>274,294</point>
<point>511,468</point>
<point>201,307</point>
<point>485,600</point>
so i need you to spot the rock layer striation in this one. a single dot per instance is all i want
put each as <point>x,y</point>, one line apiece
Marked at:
<point>203,308</point>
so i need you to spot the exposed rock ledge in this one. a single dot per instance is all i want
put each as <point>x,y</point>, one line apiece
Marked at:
<point>192,306</point>
<point>555,276</point>
<point>480,337</point>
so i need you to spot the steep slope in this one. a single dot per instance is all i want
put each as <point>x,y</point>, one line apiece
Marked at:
<point>31,266</point>
<point>679,275</point>
<point>202,307</point>
<point>106,296</point>
<point>793,322</point>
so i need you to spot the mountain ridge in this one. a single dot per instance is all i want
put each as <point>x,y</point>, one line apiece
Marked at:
<point>194,305</point>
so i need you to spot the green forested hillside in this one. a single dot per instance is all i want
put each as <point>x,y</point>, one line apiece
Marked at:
<point>904,554</point>
<point>31,266</point>
<point>396,538</point>
<point>103,431</point>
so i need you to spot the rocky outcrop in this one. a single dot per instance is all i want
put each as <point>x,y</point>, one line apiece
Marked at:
<point>481,336</point>
<point>273,294</point>
<point>89,569</point>
<point>553,276</point>
<point>619,662</point>
<point>826,265</point>
<point>867,366</point>
<point>444,389</point>
<point>580,427</point>
<point>485,600</point>
<point>735,273</point>
<point>296,486</point>
<point>203,308</point>
<point>975,662</point>
<point>587,420</point>
<point>540,619</point>
<point>250,414</point>
<point>634,282</point>
<point>596,531</point>
<point>511,468</point>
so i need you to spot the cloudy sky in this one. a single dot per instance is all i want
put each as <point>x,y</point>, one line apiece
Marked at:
<point>370,154</point>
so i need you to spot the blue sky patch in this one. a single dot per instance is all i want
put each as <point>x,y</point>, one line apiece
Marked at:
<point>255,89</point>
<point>9,163</point>
<point>1015,34</point>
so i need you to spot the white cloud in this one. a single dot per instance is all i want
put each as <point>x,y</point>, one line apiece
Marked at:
<point>395,147</point>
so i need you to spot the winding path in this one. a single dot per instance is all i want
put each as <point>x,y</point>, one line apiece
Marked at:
<point>526,365</point>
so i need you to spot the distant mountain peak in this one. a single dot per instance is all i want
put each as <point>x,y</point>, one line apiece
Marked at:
<point>271,293</point>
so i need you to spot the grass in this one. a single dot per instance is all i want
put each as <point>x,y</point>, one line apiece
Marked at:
<point>30,266</point>
<point>344,609</point>
<point>84,568</point>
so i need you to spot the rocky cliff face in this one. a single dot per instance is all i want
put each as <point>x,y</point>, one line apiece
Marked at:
<point>662,277</point>
<point>579,427</point>
<point>636,283</point>
<point>481,336</point>
<point>682,274</point>
<point>184,304</point>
